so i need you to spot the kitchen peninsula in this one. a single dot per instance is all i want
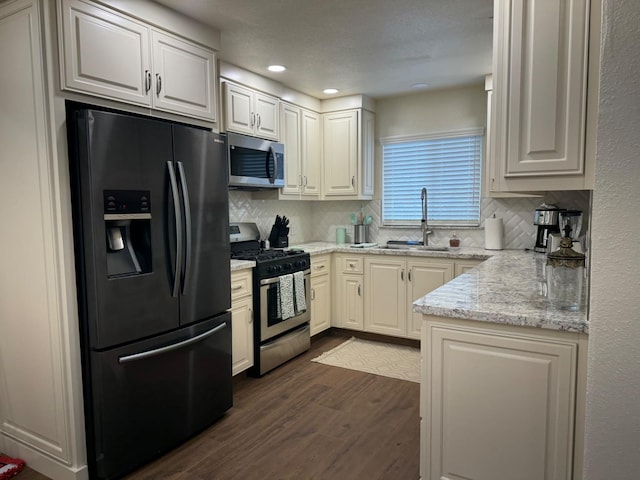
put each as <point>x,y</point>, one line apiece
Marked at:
<point>503,372</point>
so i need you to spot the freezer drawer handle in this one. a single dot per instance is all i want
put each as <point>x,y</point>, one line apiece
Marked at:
<point>169,348</point>
<point>187,228</point>
<point>178,218</point>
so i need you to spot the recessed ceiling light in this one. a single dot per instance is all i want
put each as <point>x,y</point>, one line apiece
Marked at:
<point>277,68</point>
<point>420,85</point>
<point>330,91</point>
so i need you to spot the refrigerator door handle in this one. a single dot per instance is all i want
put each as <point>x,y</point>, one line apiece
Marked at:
<point>178,219</point>
<point>187,227</point>
<point>168,348</point>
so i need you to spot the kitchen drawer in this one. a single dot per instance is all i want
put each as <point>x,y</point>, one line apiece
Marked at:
<point>240,284</point>
<point>320,265</point>
<point>351,264</point>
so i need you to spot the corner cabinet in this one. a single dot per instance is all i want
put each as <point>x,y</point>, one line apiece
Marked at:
<point>241,321</point>
<point>108,54</point>
<point>301,135</point>
<point>348,143</point>
<point>250,112</point>
<point>540,102</point>
<point>499,401</point>
<point>392,284</point>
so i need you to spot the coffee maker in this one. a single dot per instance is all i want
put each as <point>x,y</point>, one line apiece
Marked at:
<point>546,218</point>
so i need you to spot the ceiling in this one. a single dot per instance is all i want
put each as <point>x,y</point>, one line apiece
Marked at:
<point>378,48</point>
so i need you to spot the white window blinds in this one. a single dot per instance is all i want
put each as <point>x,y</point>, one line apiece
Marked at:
<point>447,164</point>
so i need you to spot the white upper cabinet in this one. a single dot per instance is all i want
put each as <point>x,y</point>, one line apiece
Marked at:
<point>250,112</point>
<point>300,134</point>
<point>539,98</point>
<point>348,154</point>
<point>184,77</point>
<point>108,54</point>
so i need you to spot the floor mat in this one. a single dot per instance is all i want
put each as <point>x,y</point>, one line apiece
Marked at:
<point>395,361</point>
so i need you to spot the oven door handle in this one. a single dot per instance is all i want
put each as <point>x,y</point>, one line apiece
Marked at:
<point>269,281</point>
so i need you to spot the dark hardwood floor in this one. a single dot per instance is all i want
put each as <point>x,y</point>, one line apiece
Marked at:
<point>303,421</point>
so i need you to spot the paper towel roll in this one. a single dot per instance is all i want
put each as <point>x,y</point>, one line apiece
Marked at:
<point>493,233</point>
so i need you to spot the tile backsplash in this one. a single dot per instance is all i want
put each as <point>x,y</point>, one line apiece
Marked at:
<point>317,221</point>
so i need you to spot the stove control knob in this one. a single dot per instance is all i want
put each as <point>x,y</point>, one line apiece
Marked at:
<point>288,266</point>
<point>271,269</point>
<point>278,268</point>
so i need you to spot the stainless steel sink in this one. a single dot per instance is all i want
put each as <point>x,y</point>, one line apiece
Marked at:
<point>413,245</point>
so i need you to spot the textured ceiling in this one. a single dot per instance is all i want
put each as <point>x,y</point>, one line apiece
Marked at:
<point>373,47</point>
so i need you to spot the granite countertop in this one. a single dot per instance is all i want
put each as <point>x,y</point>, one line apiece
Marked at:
<point>242,264</point>
<point>507,288</point>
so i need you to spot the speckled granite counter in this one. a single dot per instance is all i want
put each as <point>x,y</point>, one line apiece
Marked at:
<point>507,288</point>
<point>241,264</point>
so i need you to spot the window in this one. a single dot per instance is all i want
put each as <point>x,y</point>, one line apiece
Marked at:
<point>447,164</point>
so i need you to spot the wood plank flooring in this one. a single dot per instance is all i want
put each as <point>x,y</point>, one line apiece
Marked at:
<point>304,421</point>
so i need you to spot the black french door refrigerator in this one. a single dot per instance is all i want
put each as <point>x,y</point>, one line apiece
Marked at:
<point>150,204</point>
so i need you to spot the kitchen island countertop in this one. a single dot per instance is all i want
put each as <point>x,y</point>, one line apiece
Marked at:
<point>507,288</point>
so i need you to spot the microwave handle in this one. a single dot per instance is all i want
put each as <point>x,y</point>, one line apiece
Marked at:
<point>272,151</point>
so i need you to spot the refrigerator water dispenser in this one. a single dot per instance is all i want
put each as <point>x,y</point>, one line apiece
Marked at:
<point>127,216</point>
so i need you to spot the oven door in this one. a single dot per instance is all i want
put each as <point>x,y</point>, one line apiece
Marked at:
<point>272,324</point>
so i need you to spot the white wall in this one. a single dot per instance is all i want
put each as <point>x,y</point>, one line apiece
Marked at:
<point>612,440</point>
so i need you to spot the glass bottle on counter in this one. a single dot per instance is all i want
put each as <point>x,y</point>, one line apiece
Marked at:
<point>565,275</point>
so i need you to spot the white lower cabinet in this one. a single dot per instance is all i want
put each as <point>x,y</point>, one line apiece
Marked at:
<point>349,292</point>
<point>497,401</point>
<point>241,321</point>
<point>320,293</point>
<point>392,284</point>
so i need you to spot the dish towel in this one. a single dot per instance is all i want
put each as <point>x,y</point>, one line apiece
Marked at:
<point>287,307</point>
<point>298,289</point>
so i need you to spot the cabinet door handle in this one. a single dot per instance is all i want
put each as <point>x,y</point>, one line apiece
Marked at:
<point>147,81</point>
<point>313,294</point>
<point>305,181</point>
<point>353,181</point>
<point>258,120</point>
<point>409,273</point>
<point>250,315</point>
<point>158,83</point>
<point>359,291</point>
<point>253,119</point>
<point>300,180</point>
<point>402,274</point>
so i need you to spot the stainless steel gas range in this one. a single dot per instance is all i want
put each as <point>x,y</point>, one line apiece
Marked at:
<point>281,298</point>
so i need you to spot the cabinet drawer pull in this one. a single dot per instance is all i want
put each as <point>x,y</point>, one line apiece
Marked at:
<point>236,287</point>
<point>319,267</point>
<point>352,265</point>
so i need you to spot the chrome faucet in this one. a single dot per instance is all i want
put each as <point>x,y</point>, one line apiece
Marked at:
<point>425,231</point>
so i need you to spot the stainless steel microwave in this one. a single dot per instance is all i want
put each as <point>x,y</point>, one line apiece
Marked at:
<point>254,163</point>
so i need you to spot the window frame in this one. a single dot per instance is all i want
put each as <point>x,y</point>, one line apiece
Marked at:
<point>466,132</point>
